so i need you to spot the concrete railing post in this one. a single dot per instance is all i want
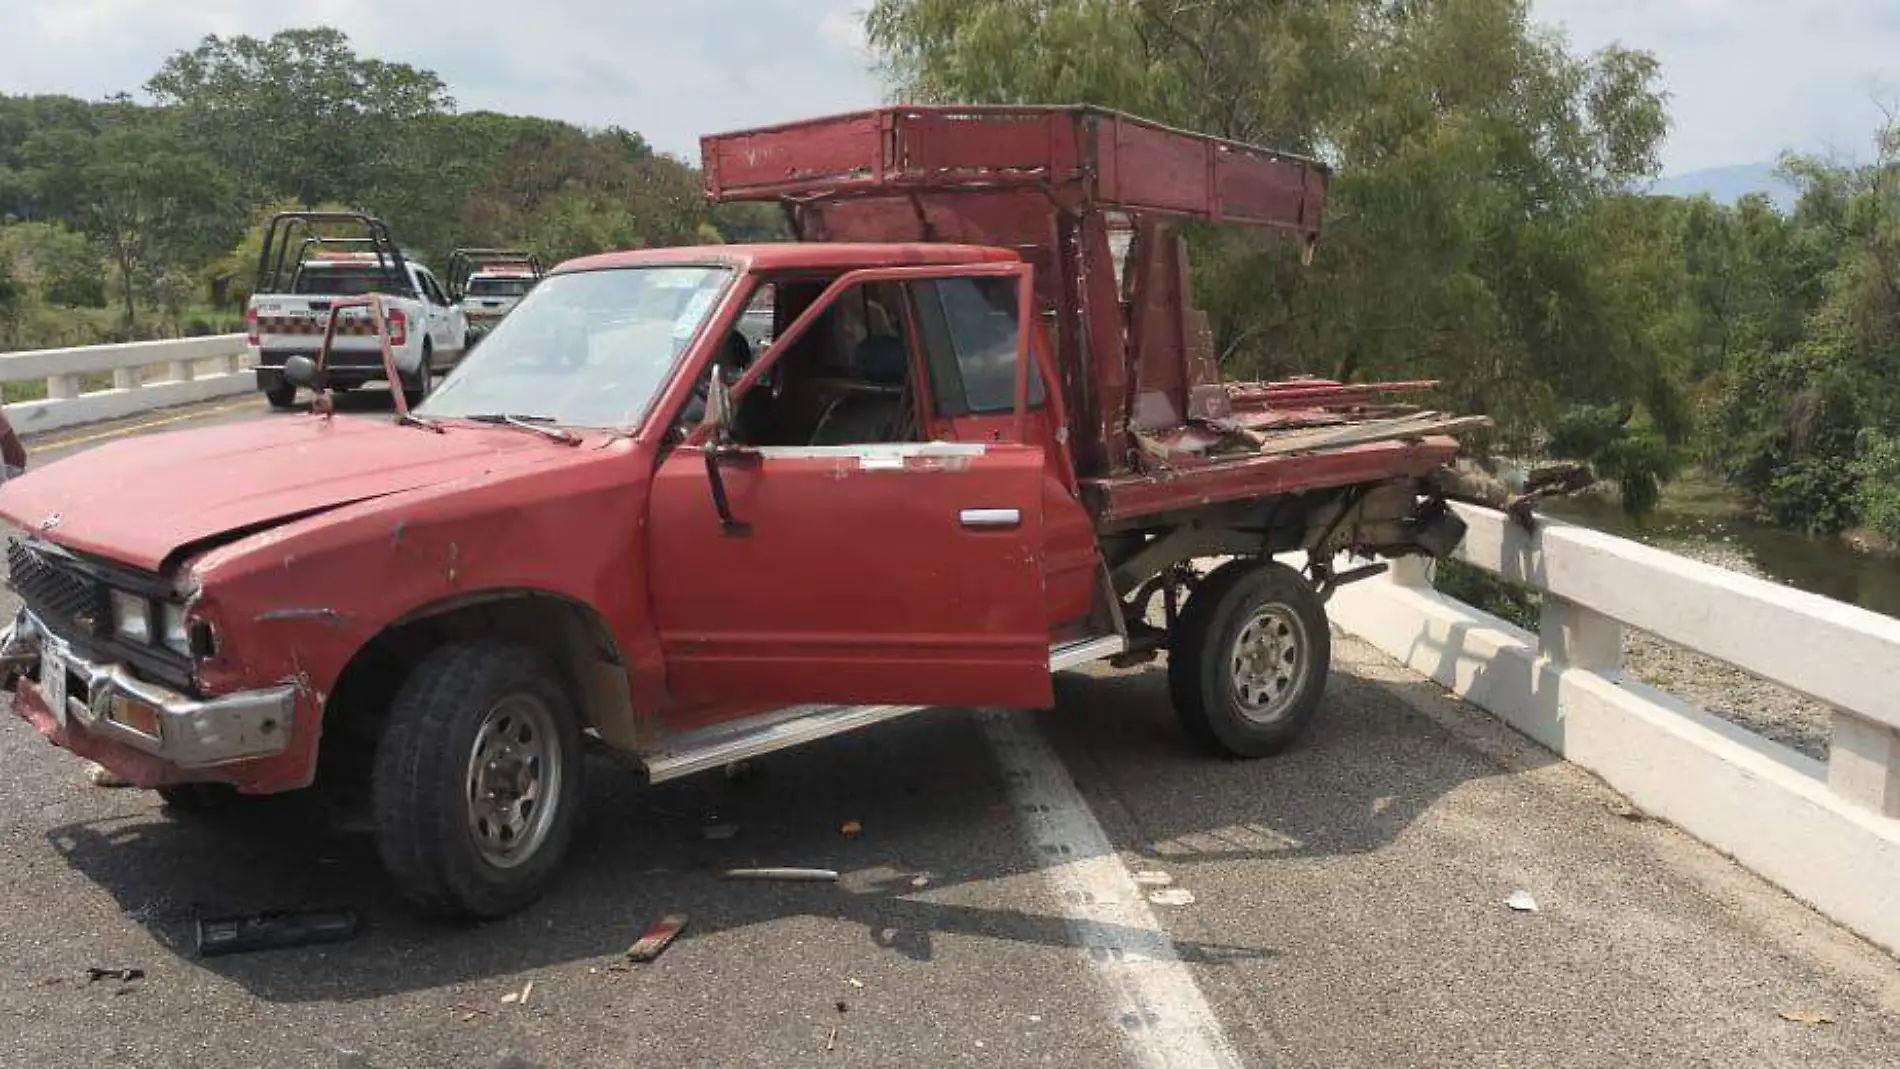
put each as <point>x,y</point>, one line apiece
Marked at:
<point>125,378</point>
<point>1576,637</point>
<point>1414,572</point>
<point>179,371</point>
<point>1863,764</point>
<point>62,387</point>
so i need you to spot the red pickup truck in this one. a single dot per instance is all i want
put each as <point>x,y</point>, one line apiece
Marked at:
<point>987,441</point>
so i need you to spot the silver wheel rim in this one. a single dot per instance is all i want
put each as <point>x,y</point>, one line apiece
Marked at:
<point>514,780</point>
<point>1267,664</point>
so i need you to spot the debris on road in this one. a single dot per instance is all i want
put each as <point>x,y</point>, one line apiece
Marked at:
<point>518,998</point>
<point>1522,902</point>
<point>716,830</point>
<point>855,982</point>
<point>124,976</point>
<point>1152,878</point>
<point>657,937</point>
<point>831,1041</point>
<point>791,874</point>
<point>1808,1017</point>
<point>920,881</point>
<point>1172,896</point>
<point>101,776</point>
<point>468,1012</point>
<point>851,829</point>
<point>277,930</point>
<point>1627,811</point>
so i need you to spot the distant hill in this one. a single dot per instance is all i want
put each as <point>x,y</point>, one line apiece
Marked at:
<point>1726,185</point>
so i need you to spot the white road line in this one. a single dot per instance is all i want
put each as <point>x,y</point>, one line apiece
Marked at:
<point>1152,995</point>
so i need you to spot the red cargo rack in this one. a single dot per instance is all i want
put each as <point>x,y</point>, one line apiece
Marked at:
<point>1086,157</point>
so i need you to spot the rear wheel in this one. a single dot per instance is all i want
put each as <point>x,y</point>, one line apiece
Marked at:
<point>1249,659</point>
<point>477,781</point>
<point>413,393</point>
<point>282,395</point>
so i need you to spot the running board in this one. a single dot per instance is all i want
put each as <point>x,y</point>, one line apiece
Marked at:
<point>781,729</point>
<point>1076,654</point>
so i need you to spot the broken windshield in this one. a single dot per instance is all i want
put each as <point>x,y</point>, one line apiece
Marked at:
<point>588,349</point>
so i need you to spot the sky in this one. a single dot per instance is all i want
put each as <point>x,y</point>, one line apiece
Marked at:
<point>1747,78</point>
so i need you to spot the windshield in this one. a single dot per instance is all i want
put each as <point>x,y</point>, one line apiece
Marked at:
<point>499,287</point>
<point>589,349</point>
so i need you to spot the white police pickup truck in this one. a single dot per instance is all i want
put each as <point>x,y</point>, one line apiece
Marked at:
<point>291,302</point>
<point>488,283</point>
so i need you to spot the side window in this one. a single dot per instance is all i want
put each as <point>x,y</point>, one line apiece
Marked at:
<point>970,334</point>
<point>431,290</point>
<point>845,380</point>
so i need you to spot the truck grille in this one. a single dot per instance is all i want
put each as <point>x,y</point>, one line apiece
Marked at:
<point>56,590</point>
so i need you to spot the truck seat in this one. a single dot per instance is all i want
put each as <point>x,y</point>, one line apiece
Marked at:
<point>856,418</point>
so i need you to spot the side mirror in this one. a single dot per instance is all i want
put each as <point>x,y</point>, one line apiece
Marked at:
<point>719,406</point>
<point>300,370</point>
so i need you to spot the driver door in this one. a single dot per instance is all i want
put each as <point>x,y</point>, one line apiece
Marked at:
<point>856,573</point>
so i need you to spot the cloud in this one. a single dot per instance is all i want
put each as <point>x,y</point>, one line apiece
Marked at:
<point>1750,78</point>
<point>843,28</point>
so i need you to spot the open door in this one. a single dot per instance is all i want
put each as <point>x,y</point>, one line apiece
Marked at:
<point>813,550</point>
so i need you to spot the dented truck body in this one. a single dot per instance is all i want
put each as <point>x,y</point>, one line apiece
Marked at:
<point>978,448</point>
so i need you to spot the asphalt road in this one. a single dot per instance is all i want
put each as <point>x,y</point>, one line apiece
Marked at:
<point>1348,909</point>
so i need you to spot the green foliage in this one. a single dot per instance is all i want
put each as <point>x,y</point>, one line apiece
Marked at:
<point>1638,459</point>
<point>1477,587</point>
<point>299,114</point>
<point>53,263</point>
<point>1876,470</point>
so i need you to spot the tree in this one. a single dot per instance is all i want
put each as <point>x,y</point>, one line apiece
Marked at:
<point>144,195</point>
<point>298,114</point>
<point>57,265</point>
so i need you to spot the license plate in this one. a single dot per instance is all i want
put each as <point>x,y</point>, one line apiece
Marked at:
<point>53,682</point>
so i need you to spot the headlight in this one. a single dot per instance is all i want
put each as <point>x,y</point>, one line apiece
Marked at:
<point>132,618</point>
<point>171,619</point>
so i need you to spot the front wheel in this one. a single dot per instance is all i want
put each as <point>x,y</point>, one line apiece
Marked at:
<point>282,395</point>
<point>1249,659</point>
<point>477,780</point>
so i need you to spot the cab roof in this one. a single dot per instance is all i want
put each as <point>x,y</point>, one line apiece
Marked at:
<point>792,256</point>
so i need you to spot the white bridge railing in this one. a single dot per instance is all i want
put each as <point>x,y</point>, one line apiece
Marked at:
<point>145,375</point>
<point>1828,833</point>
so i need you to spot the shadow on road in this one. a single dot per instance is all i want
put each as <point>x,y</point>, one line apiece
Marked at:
<point>927,792</point>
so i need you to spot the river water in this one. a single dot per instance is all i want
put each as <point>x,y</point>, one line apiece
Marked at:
<point>1820,566</point>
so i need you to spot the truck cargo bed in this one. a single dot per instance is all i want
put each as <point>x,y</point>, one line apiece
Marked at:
<point>1282,438</point>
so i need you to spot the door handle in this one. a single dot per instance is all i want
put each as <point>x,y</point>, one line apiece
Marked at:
<point>990,517</point>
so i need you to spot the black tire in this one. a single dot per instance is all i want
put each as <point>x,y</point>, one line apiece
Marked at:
<point>1292,654</point>
<point>199,799</point>
<point>414,393</point>
<point>282,395</point>
<point>426,820</point>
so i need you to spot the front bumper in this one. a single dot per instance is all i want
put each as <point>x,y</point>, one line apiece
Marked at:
<point>106,702</point>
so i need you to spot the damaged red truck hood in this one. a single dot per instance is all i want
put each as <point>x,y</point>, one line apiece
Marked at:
<point>141,500</point>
